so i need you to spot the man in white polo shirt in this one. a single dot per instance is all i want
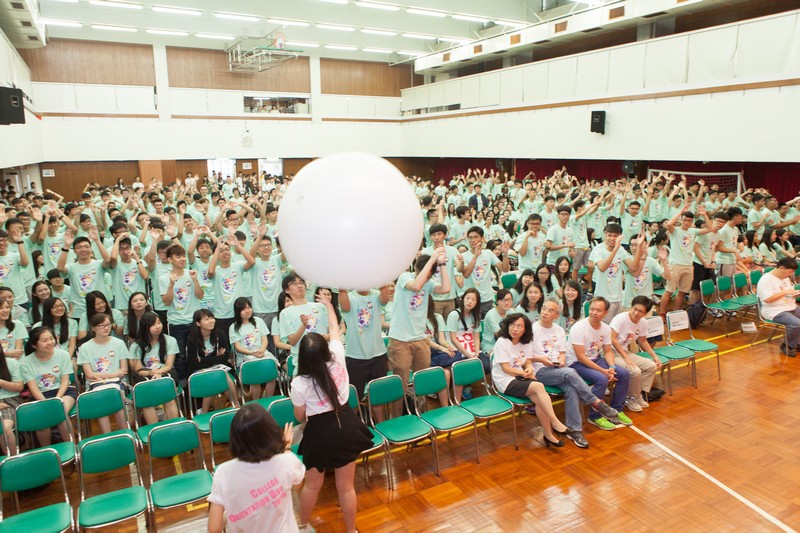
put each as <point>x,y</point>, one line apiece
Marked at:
<point>778,299</point>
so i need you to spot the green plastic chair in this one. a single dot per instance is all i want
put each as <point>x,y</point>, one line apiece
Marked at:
<point>772,325</point>
<point>108,453</point>
<point>258,372</point>
<point>220,431</point>
<point>669,354</point>
<point>95,404</point>
<point>679,321</point>
<point>402,430</point>
<point>202,385</point>
<point>508,280</point>
<point>742,293</point>
<point>469,371</point>
<point>283,413</point>
<point>586,308</point>
<point>44,414</point>
<point>290,373</point>
<point>659,280</point>
<point>711,299</point>
<point>445,419</point>
<point>755,277</point>
<point>152,393</point>
<point>167,441</point>
<point>378,442</point>
<point>27,471</point>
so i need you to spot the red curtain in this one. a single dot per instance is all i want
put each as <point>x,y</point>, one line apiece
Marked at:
<point>781,179</point>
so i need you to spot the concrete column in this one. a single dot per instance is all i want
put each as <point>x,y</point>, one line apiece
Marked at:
<point>162,82</point>
<point>316,88</point>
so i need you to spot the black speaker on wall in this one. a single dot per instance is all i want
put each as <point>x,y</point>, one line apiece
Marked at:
<point>12,109</point>
<point>599,122</point>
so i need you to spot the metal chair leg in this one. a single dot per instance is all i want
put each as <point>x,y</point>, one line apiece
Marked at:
<point>435,454</point>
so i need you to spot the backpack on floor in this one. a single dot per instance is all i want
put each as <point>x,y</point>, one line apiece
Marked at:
<point>697,312</point>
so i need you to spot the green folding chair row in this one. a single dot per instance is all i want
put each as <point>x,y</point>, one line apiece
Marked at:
<point>670,354</point>
<point>259,372</point>
<point>710,297</point>
<point>508,280</point>
<point>679,321</point>
<point>766,323</point>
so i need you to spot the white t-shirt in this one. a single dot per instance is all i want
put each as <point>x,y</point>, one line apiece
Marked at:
<point>768,285</point>
<point>592,340</point>
<point>305,393</point>
<point>627,331</point>
<point>258,496</point>
<point>514,354</point>
<point>549,342</point>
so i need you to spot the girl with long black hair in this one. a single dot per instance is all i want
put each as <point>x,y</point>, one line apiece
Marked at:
<point>152,357</point>
<point>334,436</point>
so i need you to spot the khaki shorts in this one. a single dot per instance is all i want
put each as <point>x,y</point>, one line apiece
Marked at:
<point>407,355</point>
<point>681,281</point>
<point>444,307</point>
<point>581,258</point>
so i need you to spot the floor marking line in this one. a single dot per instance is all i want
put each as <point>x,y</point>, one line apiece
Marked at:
<point>776,522</point>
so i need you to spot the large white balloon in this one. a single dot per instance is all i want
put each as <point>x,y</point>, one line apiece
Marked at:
<point>350,220</point>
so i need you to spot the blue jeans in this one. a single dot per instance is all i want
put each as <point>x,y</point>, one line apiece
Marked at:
<point>599,384</point>
<point>790,319</point>
<point>576,392</point>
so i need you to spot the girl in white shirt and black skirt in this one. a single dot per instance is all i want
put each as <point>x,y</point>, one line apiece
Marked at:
<point>334,436</point>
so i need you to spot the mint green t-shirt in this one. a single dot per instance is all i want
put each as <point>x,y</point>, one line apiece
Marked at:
<point>48,373</point>
<point>491,325</point>
<point>451,253</point>
<point>481,277</point>
<point>363,321</point>
<point>8,339</point>
<point>72,332</point>
<point>266,280</point>
<point>681,246</point>
<point>559,236</point>
<point>125,281</point>
<point>229,283</point>
<point>249,335</point>
<point>290,321</point>
<point>410,310</point>
<point>609,283</point>
<point>103,357</point>
<point>16,377</point>
<point>116,315</point>
<point>184,302</point>
<point>151,359</point>
<point>84,279</point>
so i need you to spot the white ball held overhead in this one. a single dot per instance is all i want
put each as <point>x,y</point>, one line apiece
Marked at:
<point>350,220</point>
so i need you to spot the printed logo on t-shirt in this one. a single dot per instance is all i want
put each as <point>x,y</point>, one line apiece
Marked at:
<point>86,281</point>
<point>593,348</point>
<point>267,275</point>
<point>46,381</point>
<point>229,283</point>
<point>686,242</point>
<point>181,297</point>
<point>417,299</point>
<point>364,317</point>
<point>480,270</point>
<point>518,360</point>
<point>129,277</point>
<point>4,271</point>
<point>549,345</point>
<point>613,269</point>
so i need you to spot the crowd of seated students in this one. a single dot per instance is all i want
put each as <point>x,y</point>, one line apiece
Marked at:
<point>140,282</point>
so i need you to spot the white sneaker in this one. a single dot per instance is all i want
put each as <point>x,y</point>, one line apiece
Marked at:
<point>642,402</point>
<point>306,529</point>
<point>632,405</point>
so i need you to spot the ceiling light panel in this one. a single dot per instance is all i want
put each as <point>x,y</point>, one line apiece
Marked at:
<point>340,47</point>
<point>237,16</point>
<point>302,44</point>
<point>470,18</point>
<point>335,1</point>
<point>426,12</point>
<point>419,36</point>
<point>214,36</point>
<point>287,22</point>
<point>372,31</point>
<point>335,27</point>
<point>177,10</point>
<point>377,50</point>
<point>114,28</point>
<point>173,33</point>
<point>123,5</point>
<point>378,5</point>
<point>63,23</point>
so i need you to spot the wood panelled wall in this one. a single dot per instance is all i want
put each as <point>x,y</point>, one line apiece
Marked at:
<point>364,78</point>
<point>195,166</point>
<point>208,69</point>
<point>253,166</point>
<point>68,61</point>
<point>293,166</point>
<point>71,178</point>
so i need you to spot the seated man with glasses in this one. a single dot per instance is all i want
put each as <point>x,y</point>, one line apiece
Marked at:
<point>778,299</point>
<point>626,328</point>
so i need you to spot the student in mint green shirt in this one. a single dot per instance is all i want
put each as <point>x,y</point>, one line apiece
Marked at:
<point>181,293</point>
<point>12,333</point>
<point>365,351</point>
<point>302,316</point>
<point>104,360</point>
<point>492,320</point>
<point>46,372</point>
<point>228,278</point>
<point>10,387</point>
<point>249,336</point>
<point>87,274</point>
<point>96,302</point>
<point>265,278</point>
<point>478,263</point>
<point>408,345</point>
<point>607,260</point>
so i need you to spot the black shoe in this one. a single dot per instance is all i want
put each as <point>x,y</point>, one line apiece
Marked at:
<point>557,444</point>
<point>562,433</point>
<point>788,352</point>
<point>577,437</point>
<point>653,396</point>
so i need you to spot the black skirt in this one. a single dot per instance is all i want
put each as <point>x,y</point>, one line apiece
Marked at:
<point>331,441</point>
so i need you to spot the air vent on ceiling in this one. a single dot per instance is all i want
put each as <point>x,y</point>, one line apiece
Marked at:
<point>477,49</point>
<point>17,5</point>
<point>33,38</point>
<point>26,23</point>
<point>651,15</point>
<point>542,41</point>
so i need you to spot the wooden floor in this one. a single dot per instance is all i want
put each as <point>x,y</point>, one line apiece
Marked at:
<point>722,457</point>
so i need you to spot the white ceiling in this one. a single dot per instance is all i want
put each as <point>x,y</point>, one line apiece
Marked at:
<point>403,23</point>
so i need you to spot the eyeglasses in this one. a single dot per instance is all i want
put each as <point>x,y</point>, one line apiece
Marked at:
<point>297,282</point>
